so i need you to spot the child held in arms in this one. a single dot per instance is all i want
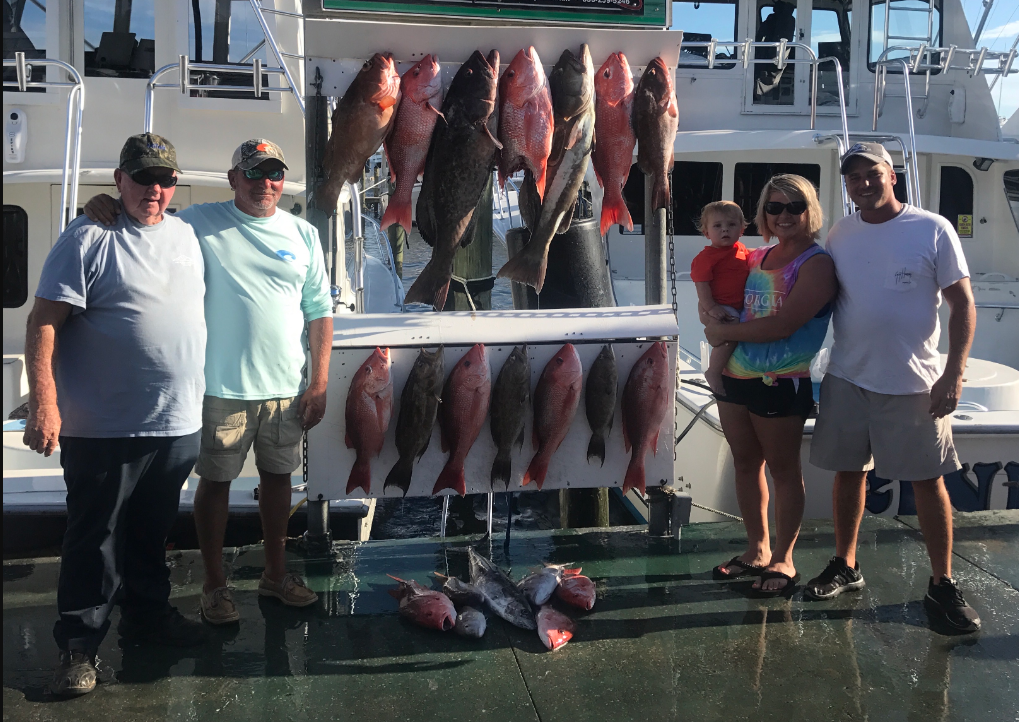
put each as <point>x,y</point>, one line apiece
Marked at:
<point>719,273</point>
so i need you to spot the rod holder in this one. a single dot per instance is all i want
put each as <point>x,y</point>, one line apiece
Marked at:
<point>184,74</point>
<point>258,77</point>
<point>21,69</point>
<point>318,539</point>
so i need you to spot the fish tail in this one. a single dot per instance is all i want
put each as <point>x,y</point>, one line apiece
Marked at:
<point>528,266</point>
<point>398,211</point>
<point>613,211</point>
<point>596,449</point>
<point>539,179</point>
<point>660,193</point>
<point>634,478</point>
<point>451,477</point>
<point>430,287</point>
<point>536,471</point>
<point>360,476</point>
<point>400,475</point>
<point>501,469</point>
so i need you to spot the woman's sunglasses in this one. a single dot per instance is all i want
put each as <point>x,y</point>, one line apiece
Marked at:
<point>258,174</point>
<point>774,208</point>
<point>146,178</point>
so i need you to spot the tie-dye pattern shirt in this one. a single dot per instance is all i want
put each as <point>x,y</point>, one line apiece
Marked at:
<point>763,296</point>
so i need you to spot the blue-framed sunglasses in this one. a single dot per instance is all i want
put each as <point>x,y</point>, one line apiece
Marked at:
<point>256,174</point>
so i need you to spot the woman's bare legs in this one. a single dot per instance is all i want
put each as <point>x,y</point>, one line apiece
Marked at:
<point>751,486</point>
<point>780,440</point>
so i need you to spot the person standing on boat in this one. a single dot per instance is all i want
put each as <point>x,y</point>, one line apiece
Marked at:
<point>768,392</point>
<point>885,400</point>
<point>115,353</point>
<point>267,301</point>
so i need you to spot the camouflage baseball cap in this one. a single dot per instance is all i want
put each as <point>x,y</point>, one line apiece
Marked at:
<point>252,152</point>
<point>147,150</point>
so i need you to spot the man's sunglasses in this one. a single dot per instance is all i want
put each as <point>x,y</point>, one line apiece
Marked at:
<point>774,208</point>
<point>146,178</point>
<point>258,174</point>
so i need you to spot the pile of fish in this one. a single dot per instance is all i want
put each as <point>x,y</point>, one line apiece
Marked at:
<point>525,604</point>
<point>548,127</point>
<point>461,405</point>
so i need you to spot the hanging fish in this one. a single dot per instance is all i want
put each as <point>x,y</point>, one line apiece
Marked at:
<point>613,152</point>
<point>510,397</point>
<point>419,405</point>
<point>555,404</point>
<point>600,401</point>
<point>645,402</point>
<point>655,122</point>
<point>369,408</point>
<point>525,119</point>
<point>464,407</point>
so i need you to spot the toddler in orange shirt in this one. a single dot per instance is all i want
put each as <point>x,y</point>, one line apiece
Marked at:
<point>719,273</point>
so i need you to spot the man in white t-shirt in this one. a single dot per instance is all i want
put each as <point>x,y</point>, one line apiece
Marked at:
<point>885,400</point>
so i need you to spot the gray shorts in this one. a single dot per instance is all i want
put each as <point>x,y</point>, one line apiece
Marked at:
<point>231,426</point>
<point>860,430</point>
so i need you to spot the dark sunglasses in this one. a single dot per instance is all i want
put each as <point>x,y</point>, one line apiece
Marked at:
<point>259,174</point>
<point>146,178</point>
<point>796,208</point>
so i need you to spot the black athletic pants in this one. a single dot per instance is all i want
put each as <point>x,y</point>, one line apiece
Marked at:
<point>122,499</point>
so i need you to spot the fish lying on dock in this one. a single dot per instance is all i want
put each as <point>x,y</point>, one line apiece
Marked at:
<point>600,401</point>
<point>554,628</point>
<point>460,592</point>
<point>525,119</point>
<point>501,594</point>
<point>419,405</point>
<point>645,402</point>
<point>407,144</point>
<point>556,399</point>
<point>614,139</point>
<point>424,606</point>
<point>576,590</point>
<point>460,160</point>
<point>655,122</point>
<point>368,410</point>
<point>572,86</point>
<point>539,586</point>
<point>510,396</point>
<point>465,400</point>
<point>470,622</point>
<point>361,121</point>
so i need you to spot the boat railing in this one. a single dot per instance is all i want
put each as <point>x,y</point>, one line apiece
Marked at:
<point>386,253</point>
<point>72,133</point>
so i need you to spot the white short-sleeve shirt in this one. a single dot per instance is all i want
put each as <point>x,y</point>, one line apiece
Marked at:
<point>890,275</point>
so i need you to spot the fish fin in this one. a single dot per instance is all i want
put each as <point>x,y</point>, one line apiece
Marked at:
<point>634,478</point>
<point>613,211</point>
<point>536,471</point>
<point>529,201</point>
<point>520,438</point>
<point>660,194</point>
<point>426,220</point>
<point>654,446</point>
<point>596,448</point>
<point>527,266</point>
<point>400,475</point>
<point>360,476</point>
<point>451,478</point>
<point>389,101</point>
<point>572,571</point>
<point>501,468</point>
<point>347,440</point>
<point>673,109</point>
<point>430,287</point>
<point>470,224</point>
<point>566,221</point>
<point>399,213</point>
<point>576,132</point>
<point>491,137</point>
<point>437,111</point>
<point>626,436</point>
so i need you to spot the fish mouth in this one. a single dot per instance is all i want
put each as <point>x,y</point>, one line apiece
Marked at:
<point>447,624</point>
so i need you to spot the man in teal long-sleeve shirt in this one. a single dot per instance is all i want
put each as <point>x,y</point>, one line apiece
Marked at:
<point>266,287</point>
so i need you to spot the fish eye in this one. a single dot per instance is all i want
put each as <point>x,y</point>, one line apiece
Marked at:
<point>559,359</point>
<point>467,364</point>
<point>608,73</point>
<point>367,64</point>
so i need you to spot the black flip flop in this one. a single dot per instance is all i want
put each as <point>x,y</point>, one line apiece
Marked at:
<point>748,570</point>
<point>790,585</point>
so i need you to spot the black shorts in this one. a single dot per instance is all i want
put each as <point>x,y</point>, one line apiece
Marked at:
<point>785,397</point>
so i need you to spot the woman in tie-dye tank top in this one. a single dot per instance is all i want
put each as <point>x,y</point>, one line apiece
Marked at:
<point>768,392</point>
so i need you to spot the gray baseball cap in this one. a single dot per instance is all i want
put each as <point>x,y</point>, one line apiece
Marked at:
<point>871,151</point>
<point>252,152</point>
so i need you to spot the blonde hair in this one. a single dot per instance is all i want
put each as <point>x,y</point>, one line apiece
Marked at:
<point>795,188</point>
<point>722,208</point>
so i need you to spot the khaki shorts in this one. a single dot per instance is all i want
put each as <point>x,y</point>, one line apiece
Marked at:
<point>229,426</point>
<point>860,430</point>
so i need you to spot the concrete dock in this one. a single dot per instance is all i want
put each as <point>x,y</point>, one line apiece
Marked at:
<point>664,641</point>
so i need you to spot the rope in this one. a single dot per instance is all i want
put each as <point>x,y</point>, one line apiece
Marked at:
<point>486,284</point>
<point>726,514</point>
<point>700,412</point>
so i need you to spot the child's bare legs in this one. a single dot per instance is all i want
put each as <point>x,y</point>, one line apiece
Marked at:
<point>717,362</point>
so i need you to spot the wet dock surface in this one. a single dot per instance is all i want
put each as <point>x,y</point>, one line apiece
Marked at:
<point>664,641</point>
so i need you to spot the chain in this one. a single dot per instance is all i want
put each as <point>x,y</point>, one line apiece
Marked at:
<point>726,514</point>
<point>672,251</point>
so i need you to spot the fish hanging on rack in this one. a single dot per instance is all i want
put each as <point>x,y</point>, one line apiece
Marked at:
<point>407,144</point>
<point>655,122</point>
<point>465,399</point>
<point>600,401</point>
<point>361,121</point>
<point>645,402</point>
<point>369,408</point>
<point>419,405</point>
<point>510,397</point>
<point>460,160</point>
<point>613,151</point>
<point>525,119</point>
<point>556,399</point>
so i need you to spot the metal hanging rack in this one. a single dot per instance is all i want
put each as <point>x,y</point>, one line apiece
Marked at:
<point>72,134</point>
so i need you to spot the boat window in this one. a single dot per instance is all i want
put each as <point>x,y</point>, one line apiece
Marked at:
<point>225,32</point>
<point>701,21</point>
<point>120,38</point>
<point>830,23</point>
<point>910,23</point>
<point>1012,194</point>
<point>25,32</point>
<point>776,20</point>
<point>956,199</point>
<point>694,185</point>
<point>749,180</point>
<point>15,257</point>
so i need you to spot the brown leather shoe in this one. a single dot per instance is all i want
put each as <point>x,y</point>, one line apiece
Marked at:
<point>291,590</point>
<point>218,607</point>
